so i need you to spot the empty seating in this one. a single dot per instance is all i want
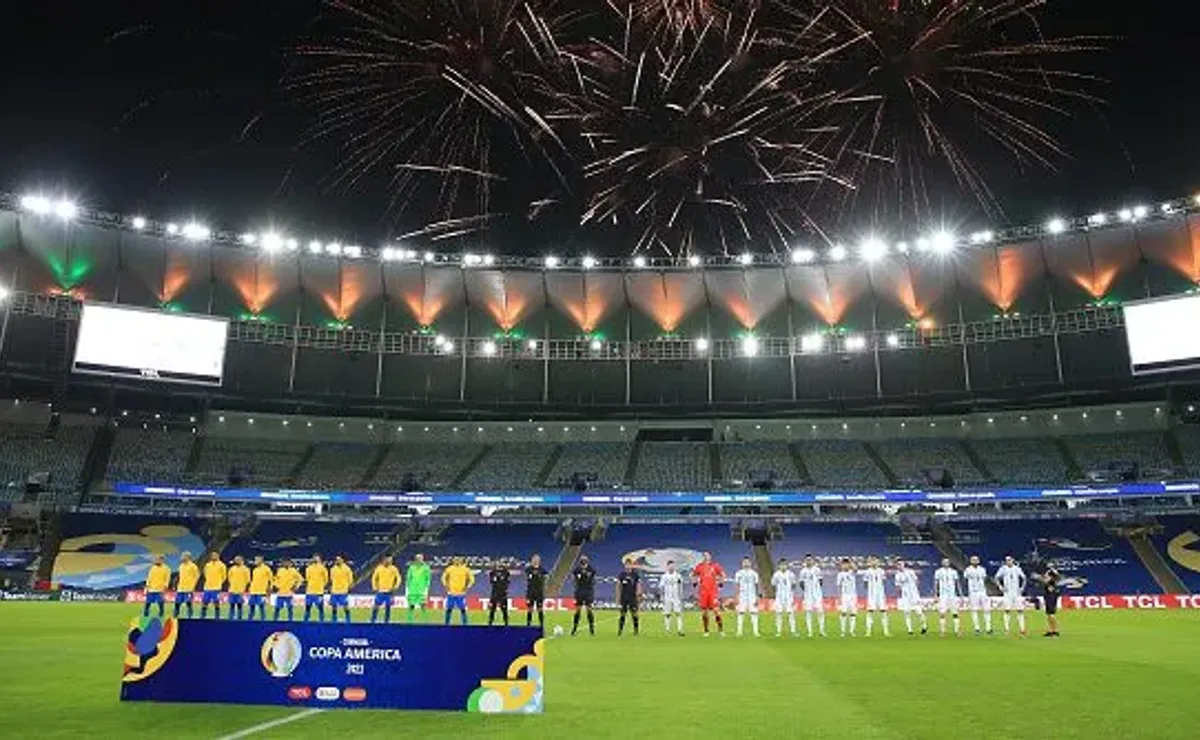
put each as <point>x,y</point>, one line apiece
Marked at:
<point>651,545</point>
<point>605,460</point>
<point>909,458</point>
<point>512,465</point>
<point>258,461</point>
<point>1096,452</point>
<point>741,461</point>
<point>841,463</point>
<point>149,456</point>
<point>667,466</point>
<point>1022,461</point>
<point>25,450</point>
<point>429,466</point>
<point>340,465</point>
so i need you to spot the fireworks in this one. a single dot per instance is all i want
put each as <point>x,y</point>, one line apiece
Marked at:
<point>684,124</point>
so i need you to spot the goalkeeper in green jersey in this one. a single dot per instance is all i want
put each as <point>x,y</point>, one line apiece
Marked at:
<point>416,582</point>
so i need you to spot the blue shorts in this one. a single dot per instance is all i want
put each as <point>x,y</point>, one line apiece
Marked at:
<point>314,599</point>
<point>155,597</point>
<point>211,597</point>
<point>339,600</point>
<point>457,602</point>
<point>383,599</point>
<point>183,597</point>
<point>238,599</point>
<point>258,600</point>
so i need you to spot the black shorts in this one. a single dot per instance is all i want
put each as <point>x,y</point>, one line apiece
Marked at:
<point>499,599</point>
<point>587,600</point>
<point>629,605</point>
<point>534,601</point>
<point>1051,603</point>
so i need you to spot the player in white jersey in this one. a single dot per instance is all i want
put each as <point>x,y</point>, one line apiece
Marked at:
<point>875,577</point>
<point>847,583</point>
<point>746,581</point>
<point>671,585</point>
<point>784,583</point>
<point>945,581</point>
<point>909,591</point>
<point>1012,584</point>
<point>977,595</point>
<point>814,597</point>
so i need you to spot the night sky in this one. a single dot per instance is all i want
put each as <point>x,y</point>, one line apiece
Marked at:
<point>174,109</point>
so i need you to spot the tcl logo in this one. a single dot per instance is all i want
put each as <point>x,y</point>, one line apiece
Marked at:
<point>355,693</point>
<point>328,693</point>
<point>299,693</point>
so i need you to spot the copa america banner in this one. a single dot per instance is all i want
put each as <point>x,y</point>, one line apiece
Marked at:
<point>496,670</point>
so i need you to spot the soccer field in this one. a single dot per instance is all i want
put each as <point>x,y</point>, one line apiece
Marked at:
<point>1113,674</point>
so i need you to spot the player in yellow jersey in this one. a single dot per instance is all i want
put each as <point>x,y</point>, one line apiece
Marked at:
<point>341,578</point>
<point>316,580</point>
<point>384,581</point>
<point>239,583</point>
<point>185,588</point>
<point>260,586</point>
<point>157,581</point>
<point>457,578</point>
<point>214,580</point>
<point>287,580</point>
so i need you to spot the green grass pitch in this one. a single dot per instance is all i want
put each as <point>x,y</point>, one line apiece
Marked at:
<point>1113,674</point>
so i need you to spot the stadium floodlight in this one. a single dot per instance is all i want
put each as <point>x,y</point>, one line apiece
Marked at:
<point>249,239</point>
<point>803,256</point>
<point>448,348</point>
<point>272,241</point>
<point>837,253</point>
<point>750,346</point>
<point>893,341</point>
<point>387,254</point>
<point>588,262</point>
<point>195,232</point>
<point>489,348</point>
<point>639,262</point>
<point>66,210</point>
<point>440,340</point>
<point>292,245</point>
<point>923,244</point>
<point>138,223</point>
<point>811,343</point>
<point>872,249</point>
<point>333,248</point>
<point>1167,207</point>
<point>315,247</point>
<point>596,345</point>
<point>489,259</point>
<point>694,260</point>
<point>982,237</point>
<point>1097,219</point>
<point>532,344</point>
<point>430,256</point>
<point>172,229</point>
<point>471,259</point>
<point>856,343</point>
<point>942,242</point>
<point>352,252</point>
<point>551,261</point>
<point>701,344</point>
<point>4,293</point>
<point>1125,214</point>
<point>746,259</point>
<point>1139,212</point>
<point>902,247</point>
<point>1056,226</point>
<point>38,204</point>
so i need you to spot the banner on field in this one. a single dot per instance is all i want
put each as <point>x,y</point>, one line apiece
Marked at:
<point>495,670</point>
<point>29,596</point>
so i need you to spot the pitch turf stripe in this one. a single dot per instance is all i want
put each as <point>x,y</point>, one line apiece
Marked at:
<point>271,725</point>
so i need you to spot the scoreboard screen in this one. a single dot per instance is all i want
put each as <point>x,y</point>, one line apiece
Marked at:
<point>1162,334</point>
<point>145,343</point>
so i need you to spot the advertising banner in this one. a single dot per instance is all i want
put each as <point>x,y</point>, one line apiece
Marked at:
<point>478,669</point>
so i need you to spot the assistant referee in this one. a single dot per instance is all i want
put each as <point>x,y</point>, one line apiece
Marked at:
<point>1051,587</point>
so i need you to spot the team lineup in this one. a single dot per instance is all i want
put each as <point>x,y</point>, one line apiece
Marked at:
<point>250,590</point>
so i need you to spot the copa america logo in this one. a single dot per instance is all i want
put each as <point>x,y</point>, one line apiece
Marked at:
<point>281,653</point>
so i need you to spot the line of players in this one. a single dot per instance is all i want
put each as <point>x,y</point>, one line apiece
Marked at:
<point>249,590</point>
<point>708,577</point>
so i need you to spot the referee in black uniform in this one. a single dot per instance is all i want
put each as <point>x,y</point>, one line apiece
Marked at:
<point>629,592</point>
<point>535,591</point>
<point>498,576</point>
<point>585,593</point>
<point>1051,588</point>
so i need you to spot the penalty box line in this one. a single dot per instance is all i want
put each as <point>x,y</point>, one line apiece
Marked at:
<point>255,729</point>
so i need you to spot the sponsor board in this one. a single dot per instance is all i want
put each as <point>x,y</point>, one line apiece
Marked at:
<point>29,596</point>
<point>70,594</point>
<point>367,601</point>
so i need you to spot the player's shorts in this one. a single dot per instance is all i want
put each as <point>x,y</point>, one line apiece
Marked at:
<point>342,600</point>
<point>629,605</point>
<point>947,604</point>
<point>909,603</point>
<point>155,597</point>
<point>786,605</point>
<point>979,602</point>
<point>1050,603</point>
<point>237,599</point>
<point>383,599</point>
<point>314,599</point>
<point>211,597</point>
<point>535,601</point>
<point>257,600</point>
<point>848,605</point>
<point>672,606</point>
<point>458,601</point>
<point>183,597</point>
<point>876,602</point>
<point>815,604</point>
<point>750,606</point>
<point>708,600</point>
<point>588,600</point>
<point>417,598</point>
<point>1014,602</point>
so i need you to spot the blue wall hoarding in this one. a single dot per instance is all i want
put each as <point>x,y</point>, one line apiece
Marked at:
<point>680,498</point>
<point>478,669</point>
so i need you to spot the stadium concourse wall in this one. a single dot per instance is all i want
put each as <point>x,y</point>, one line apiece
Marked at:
<point>1023,318</point>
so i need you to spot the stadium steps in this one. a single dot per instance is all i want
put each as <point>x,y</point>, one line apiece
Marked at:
<point>541,480</point>
<point>1152,559</point>
<point>368,476</point>
<point>298,469</point>
<point>1173,450</point>
<point>973,455</point>
<point>95,463</point>
<point>943,540</point>
<point>802,473</point>
<point>51,539</point>
<point>470,467</point>
<point>1074,471</point>
<point>401,537</point>
<point>562,568</point>
<point>716,469</point>
<point>194,455</point>
<point>766,568</point>
<point>884,468</point>
<point>631,465</point>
